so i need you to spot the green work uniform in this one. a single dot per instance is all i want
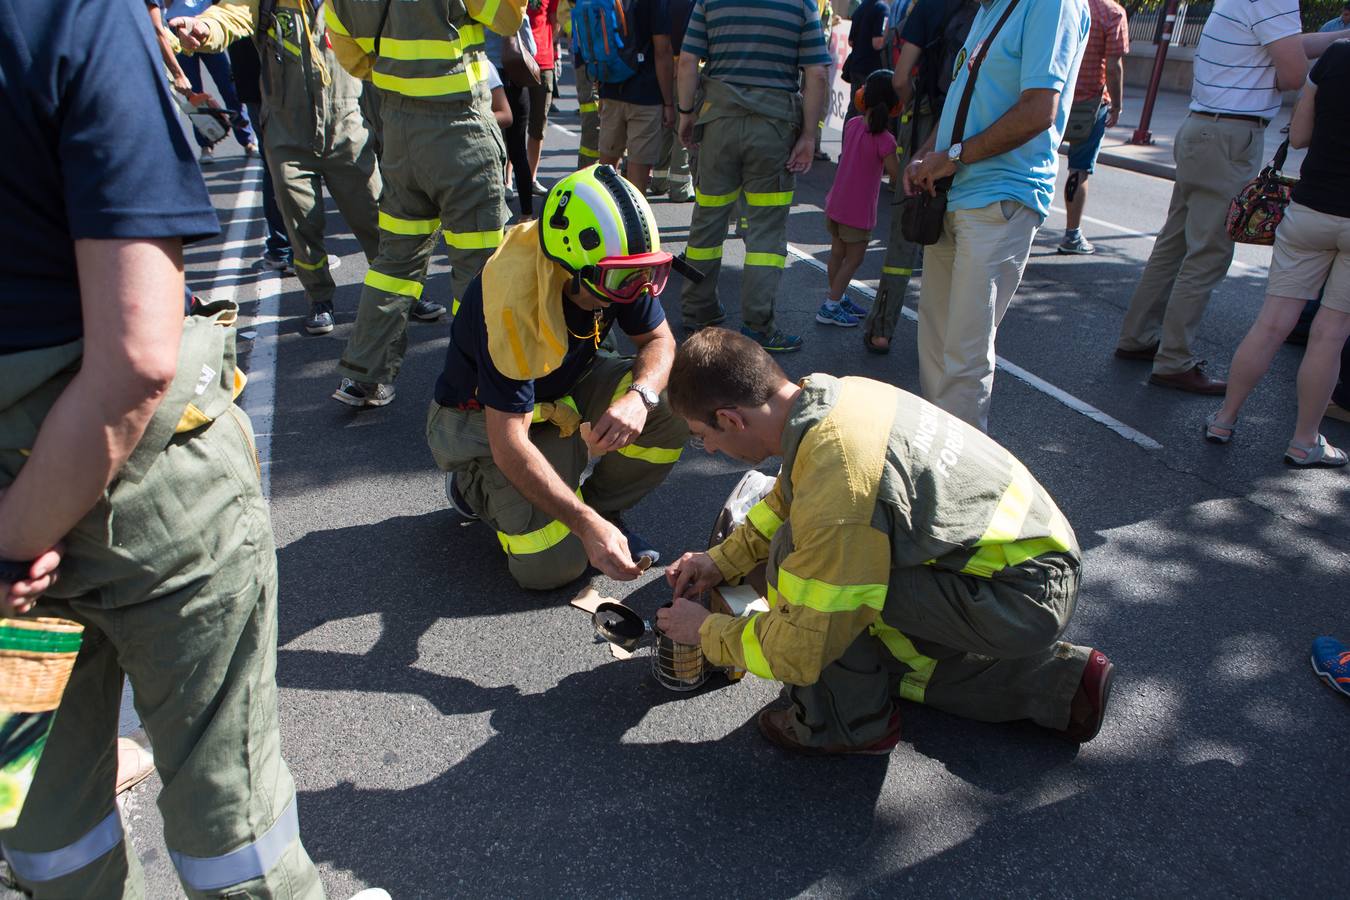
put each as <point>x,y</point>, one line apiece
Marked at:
<point>907,553</point>
<point>542,552</point>
<point>747,137</point>
<point>588,104</point>
<point>312,130</point>
<point>442,156</point>
<point>901,255</point>
<point>173,575</point>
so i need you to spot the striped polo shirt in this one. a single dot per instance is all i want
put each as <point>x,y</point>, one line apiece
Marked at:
<point>756,43</point>
<point>1233,72</point>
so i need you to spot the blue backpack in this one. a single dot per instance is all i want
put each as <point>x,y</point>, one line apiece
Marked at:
<point>604,40</point>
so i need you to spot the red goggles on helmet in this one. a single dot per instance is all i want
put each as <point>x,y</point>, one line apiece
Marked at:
<point>623,279</point>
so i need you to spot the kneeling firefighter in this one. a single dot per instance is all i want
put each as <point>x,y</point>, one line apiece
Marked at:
<point>523,373</point>
<point>906,555</point>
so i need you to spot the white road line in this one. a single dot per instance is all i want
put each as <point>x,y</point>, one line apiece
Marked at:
<point>259,397</point>
<point>564,130</point>
<point>1016,371</point>
<point>1152,238</point>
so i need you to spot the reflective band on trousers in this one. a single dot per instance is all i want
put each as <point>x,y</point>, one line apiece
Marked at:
<point>592,106</point>
<point>657,456</point>
<point>703,199</point>
<point>589,152</point>
<point>71,858</point>
<point>915,683</point>
<point>209,873</point>
<point>472,240</point>
<point>391,285</point>
<point>896,270</point>
<point>754,653</point>
<point>765,520</point>
<point>536,541</point>
<point>311,267</point>
<point>769,260</point>
<point>703,253</point>
<point>775,198</point>
<point>396,225</point>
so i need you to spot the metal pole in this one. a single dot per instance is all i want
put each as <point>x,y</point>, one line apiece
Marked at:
<point>1141,134</point>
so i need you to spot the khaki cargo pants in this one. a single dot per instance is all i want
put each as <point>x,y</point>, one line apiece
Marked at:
<point>984,649</point>
<point>174,578</point>
<point>442,165</point>
<point>740,152</point>
<point>541,552</point>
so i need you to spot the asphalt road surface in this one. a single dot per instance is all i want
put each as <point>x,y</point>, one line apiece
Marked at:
<point>452,735</point>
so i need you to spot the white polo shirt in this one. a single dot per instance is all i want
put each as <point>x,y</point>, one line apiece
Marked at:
<point>1233,71</point>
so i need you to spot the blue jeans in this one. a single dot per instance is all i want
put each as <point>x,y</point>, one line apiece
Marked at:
<point>218,64</point>
<point>278,241</point>
<point>1083,155</point>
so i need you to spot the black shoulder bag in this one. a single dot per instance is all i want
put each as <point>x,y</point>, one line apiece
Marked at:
<point>921,214</point>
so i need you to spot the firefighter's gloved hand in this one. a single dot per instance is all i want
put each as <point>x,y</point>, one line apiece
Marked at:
<point>607,549</point>
<point>565,417</point>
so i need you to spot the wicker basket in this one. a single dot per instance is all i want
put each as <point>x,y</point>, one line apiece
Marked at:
<point>36,658</point>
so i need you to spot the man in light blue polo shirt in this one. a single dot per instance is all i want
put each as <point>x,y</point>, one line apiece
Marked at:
<point>1003,178</point>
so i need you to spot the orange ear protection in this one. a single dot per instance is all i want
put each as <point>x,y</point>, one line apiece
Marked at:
<point>862,107</point>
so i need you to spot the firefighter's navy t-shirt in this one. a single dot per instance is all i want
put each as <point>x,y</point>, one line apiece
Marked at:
<point>470,375</point>
<point>92,149</point>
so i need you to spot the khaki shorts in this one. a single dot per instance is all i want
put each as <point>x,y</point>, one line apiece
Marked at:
<point>847,233</point>
<point>632,127</point>
<point>1312,249</point>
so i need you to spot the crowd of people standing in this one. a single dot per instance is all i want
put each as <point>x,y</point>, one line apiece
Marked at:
<point>410,118</point>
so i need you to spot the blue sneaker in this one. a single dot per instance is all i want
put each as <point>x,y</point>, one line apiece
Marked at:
<point>852,308</point>
<point>774,340</point>
<point>834,314</point>
<point>1331,662</point>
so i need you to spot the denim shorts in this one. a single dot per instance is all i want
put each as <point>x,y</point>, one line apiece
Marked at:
<point>1083,155</point>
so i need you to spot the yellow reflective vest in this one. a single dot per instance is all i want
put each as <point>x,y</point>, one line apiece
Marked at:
<point>874,481</point>
<point>425,49</point>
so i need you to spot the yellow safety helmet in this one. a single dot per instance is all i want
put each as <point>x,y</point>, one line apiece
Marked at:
<point>599,227</point>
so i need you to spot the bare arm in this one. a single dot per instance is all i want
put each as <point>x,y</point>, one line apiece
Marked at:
<point>903,79</point>
<point>539,483</point>
<point>1291,62</point>
<point>813,106</point>
<point>686,89</point>
<point>620,425</point>
<point>166,52</point>
<point>665,76</point>
<point>132,304</point>
<point>1032,114</point>
<point>1115,84</point>
<point>1301,124</point>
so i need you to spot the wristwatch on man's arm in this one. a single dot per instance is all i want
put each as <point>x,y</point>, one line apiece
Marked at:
<point>649,397</point>
<point>954,153</point>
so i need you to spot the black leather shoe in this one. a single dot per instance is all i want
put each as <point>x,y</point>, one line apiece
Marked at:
<point>1193,381</point>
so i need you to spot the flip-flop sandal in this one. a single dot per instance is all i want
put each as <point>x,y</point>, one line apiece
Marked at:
<point>1214,430</point>
<point>1320,455</point>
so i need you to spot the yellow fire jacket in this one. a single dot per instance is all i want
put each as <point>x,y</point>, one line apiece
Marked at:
<point>874,480</point>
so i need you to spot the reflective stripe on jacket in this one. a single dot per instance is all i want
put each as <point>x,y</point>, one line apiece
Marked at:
<point>426,50</point>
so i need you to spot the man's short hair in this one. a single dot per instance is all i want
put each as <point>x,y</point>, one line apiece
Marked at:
<point>716,369</point>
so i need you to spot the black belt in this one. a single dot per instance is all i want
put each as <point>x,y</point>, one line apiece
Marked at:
<point>1241,118</point>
